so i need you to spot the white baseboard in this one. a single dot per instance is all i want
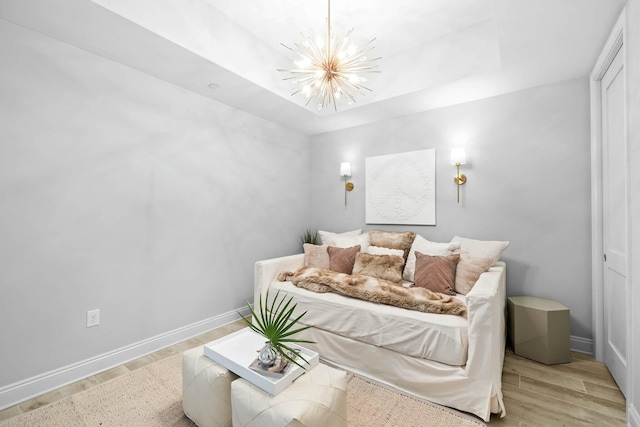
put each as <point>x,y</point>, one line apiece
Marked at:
<point>581,345</point>
<point>633,417</point>
<point>29,388</point>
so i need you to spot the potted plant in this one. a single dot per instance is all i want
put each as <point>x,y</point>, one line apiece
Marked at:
<point>275,324</point>
<point>311,236</point>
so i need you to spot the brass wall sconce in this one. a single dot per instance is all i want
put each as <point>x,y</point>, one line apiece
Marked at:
<point>458,157</point>
<point>345,171</point>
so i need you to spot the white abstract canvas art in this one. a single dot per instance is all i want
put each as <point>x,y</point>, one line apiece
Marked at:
<point>401,188</point>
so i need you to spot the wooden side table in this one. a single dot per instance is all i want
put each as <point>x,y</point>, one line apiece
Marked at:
<point>539,329</point>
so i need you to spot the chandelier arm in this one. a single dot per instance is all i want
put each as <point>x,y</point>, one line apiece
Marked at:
<point>346,83</point>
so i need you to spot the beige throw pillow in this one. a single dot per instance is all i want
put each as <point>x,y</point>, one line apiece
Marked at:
<point>436,273</point>
<point>316,256</point>
<point>385,267</point>
<point>393,239</point>
<point>342,259</point>
<point>469,270</point>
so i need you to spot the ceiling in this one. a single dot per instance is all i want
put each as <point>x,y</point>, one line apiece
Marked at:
<point>434,53</point>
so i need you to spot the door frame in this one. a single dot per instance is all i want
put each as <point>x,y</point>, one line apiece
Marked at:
<point>615,43</point>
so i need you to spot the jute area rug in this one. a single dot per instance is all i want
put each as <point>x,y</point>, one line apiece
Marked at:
<point>151,396</point>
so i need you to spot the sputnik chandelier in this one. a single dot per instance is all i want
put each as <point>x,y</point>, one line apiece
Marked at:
<point>330,71</point>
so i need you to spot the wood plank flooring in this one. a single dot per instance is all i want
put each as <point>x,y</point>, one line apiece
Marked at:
<point>579,393</point>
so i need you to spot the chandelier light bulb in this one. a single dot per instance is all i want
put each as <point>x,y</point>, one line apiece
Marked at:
<point>329,69</point>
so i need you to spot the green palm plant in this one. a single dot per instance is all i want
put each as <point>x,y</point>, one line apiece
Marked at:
<point>275,324</point>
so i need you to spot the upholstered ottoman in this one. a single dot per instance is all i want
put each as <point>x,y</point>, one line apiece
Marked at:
<point>206,390</point>
<point>317,398</point>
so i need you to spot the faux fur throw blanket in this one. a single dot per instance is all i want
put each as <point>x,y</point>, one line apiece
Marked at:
<point>374,290</point>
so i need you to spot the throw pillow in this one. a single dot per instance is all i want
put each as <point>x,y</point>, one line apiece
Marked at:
<point>481,248</point>
<point>378,250</point>
<point>316,256</point>
<point>349,241</point>
<point>436,273</point>
<point>384,267</point>
<point>469,270</point>
<point>326,235</point>
<point>394,240</point>
<point>426,247</point>
<point>342,259</point>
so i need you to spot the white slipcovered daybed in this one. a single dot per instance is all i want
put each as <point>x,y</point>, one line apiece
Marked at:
<point>446,359</point>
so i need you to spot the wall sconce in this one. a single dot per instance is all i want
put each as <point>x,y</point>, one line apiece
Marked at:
<point>458,157</point>
<point>345,171</point>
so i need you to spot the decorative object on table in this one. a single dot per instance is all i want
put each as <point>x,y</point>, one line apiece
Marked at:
<point>267,355</point>
<point>458,157</point>
<point>311,236</point>
<point>237,351</point>
<point>278,368</point>
<point>275,324</point>
<point>329,71</point>
<point>401,188</point>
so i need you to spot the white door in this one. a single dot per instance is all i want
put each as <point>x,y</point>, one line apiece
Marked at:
<point>615,231</point>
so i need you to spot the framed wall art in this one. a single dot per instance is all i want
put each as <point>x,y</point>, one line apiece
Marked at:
<point>401,188</point>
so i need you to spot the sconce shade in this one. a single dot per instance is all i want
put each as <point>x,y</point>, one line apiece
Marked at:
<point>345,169</point>
<point>458,156</point>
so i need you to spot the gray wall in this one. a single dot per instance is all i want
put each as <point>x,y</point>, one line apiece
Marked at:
<point>125,193</point>
<point>528,182</point>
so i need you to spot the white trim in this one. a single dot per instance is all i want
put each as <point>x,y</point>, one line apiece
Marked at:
<point>611,47</point>
<point>581,345</point>
<point>29,388</point>
<point>596,219</point>
<point>633,417</point>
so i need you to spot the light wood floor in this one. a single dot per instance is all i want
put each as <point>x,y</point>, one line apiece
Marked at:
<point>580,393</point>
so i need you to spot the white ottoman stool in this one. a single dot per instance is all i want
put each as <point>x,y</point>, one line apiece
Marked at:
<point>206,390</point>
<point>317,398</point>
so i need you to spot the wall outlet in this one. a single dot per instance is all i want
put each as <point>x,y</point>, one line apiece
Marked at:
<point>93,318</point>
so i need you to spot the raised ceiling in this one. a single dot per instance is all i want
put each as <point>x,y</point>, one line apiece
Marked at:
<point>434,53</point>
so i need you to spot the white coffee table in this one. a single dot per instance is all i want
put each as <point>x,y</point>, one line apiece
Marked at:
<point>239,349</point>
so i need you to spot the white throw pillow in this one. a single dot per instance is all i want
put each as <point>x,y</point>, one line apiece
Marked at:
<point>426,247</point>
<point>379,250</point>
<point>342,241</point>
<point>481,248</point>
<point>326,235</point>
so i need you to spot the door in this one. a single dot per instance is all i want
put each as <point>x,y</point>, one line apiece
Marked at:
<point>615,226</point>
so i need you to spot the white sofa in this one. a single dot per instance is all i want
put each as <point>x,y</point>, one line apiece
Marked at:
<point>469,381</point>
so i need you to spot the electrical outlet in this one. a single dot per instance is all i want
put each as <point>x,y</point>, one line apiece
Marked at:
<point>93,318</point>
